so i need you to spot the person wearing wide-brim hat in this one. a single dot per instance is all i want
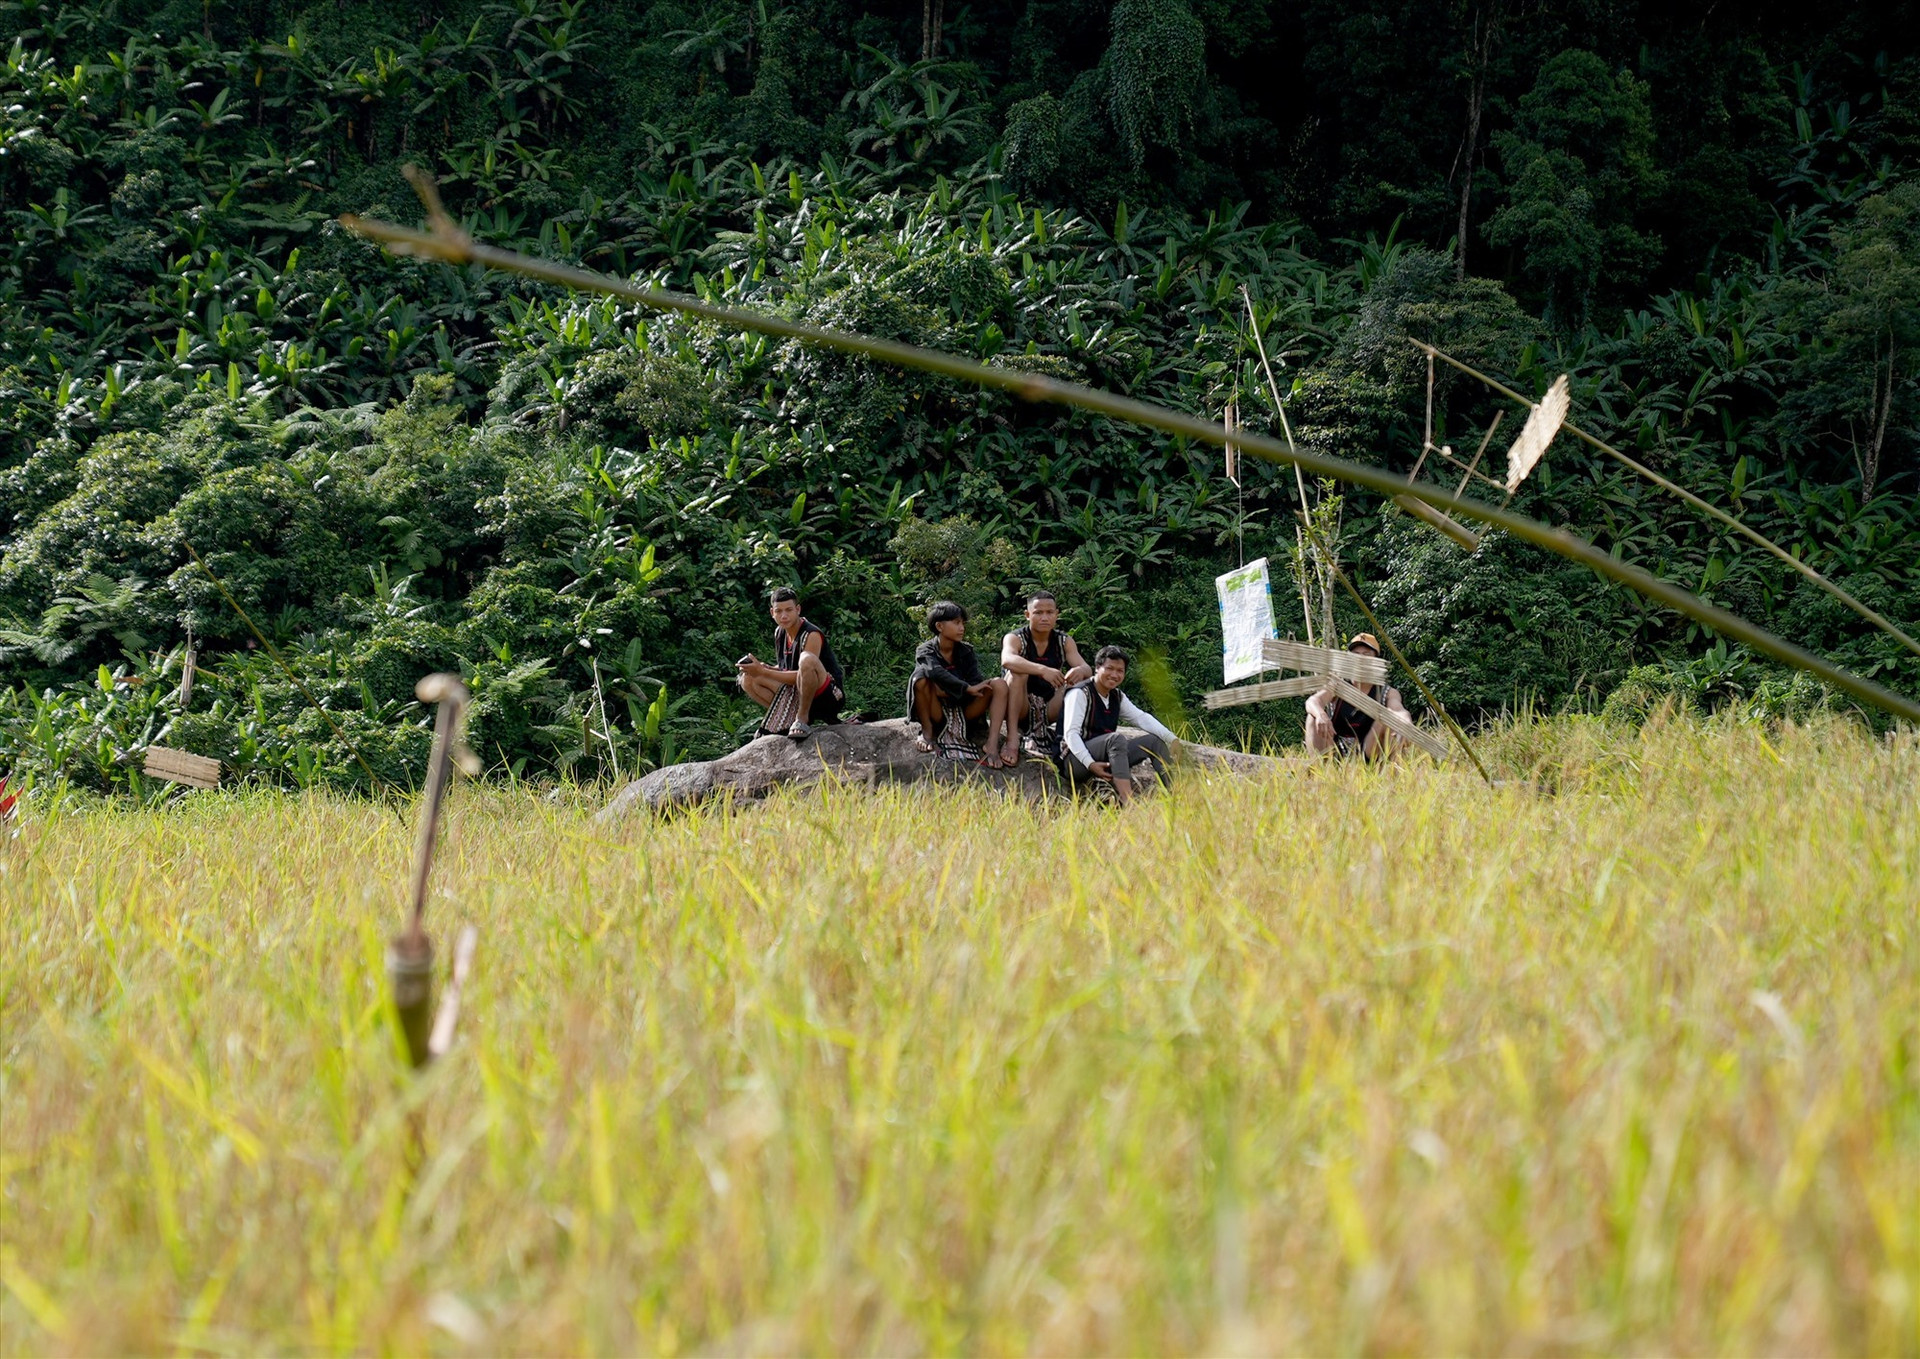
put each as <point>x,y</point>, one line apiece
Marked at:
<point>1336,726</point>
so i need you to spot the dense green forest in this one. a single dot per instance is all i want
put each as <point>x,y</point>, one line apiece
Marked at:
<point>1707,218</point>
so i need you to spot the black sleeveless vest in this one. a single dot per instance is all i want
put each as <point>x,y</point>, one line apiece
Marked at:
<point>1055,655</point>
<point>786,651</point>
<point>1103,715</point>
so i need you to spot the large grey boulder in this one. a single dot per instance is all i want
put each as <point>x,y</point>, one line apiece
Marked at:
<point>865,754</point>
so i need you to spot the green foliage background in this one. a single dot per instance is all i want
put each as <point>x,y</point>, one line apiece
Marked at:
<point>397,467</point>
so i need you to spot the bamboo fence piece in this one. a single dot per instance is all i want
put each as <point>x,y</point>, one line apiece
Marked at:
<point>1321,660</point>
<point>177,766</point>
<point>448,243</point>
<point>1396,722</point>
<point>1433,699</point>
<point>1294,686</point>
<point>1757,638</point>
<point>1543,423</point>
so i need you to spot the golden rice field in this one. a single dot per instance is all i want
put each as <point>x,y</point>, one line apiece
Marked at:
<point>1622,1058</point>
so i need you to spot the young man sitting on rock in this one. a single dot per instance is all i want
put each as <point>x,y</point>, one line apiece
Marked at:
<point>947,691</point>
<point>1090,721</point>
<point>805,683</point>
<point>1041,664</point>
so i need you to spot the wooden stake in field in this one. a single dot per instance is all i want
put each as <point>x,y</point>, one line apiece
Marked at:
<point>410,952</point>
<point>188,663</point>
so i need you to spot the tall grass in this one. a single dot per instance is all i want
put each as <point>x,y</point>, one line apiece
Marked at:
<point>1625,1056</point>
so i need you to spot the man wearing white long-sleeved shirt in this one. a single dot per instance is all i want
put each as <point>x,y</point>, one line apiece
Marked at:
<point>1090,722</point>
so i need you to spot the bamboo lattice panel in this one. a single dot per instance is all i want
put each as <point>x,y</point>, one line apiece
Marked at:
<point>1348,665</point>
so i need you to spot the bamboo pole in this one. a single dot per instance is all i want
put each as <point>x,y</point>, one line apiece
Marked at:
<point>448,243</point>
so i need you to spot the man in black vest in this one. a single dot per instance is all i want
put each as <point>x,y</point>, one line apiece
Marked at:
<point>804,684</point>
<point>1090,722</point>
<point>1041,663</point>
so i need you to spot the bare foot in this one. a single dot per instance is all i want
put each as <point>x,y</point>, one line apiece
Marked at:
<point>924,744</point>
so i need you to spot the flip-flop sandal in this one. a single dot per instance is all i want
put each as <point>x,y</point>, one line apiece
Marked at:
<point>924,746</point>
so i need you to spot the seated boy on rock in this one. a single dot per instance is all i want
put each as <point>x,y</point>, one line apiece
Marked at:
<point>947,695</point>
<point>805,683</point>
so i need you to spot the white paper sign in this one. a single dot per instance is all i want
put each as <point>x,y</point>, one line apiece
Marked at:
<point>1246,619</point>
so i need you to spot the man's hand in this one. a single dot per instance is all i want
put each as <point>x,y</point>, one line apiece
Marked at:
<point>1102,768</point>
<point>1054,677</point>
<point>747,663</point>
<point>982,687</point>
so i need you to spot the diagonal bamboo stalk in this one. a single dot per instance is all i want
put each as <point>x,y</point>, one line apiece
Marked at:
<point>1705,507</point>
<point>450,244</point>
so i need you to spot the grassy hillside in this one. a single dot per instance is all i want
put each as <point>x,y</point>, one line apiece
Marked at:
<point>398,467</point>
<point>1351,1061</point>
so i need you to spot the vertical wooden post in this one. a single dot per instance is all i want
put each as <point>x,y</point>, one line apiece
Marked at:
<point>186,670</point>
<point>410,952</point>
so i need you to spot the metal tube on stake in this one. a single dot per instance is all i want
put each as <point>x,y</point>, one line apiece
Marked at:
<point>447,242</point>
<point>410,952</point>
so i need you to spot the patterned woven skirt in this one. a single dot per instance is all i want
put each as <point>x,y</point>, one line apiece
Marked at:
<point>1040,737</point>
<point>781,712</point>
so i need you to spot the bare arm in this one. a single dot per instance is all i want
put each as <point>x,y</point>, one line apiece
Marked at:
<point>1077,667</point>
<point>1012,661</point>
<point>811,646</point>
<point>1147,722</point>
<point>1319,733</point>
